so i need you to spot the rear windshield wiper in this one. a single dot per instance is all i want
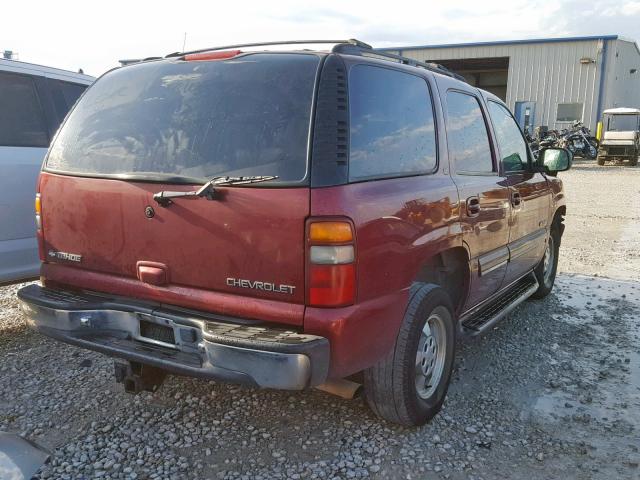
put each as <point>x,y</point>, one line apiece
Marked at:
<point>208,189</point>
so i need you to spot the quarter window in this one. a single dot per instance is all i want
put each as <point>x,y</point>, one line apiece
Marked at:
<point>64,96</point>
<point>467,134</point>
<point>513,148</point>
<point>22,122</point>
<point>392,126</point>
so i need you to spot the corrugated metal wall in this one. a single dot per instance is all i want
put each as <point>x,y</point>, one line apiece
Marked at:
<point>546,73</point>
<point>622,86</point>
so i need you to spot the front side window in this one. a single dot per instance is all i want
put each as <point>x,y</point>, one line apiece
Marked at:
<point>22,122</point>
<point>467,135</point>
<point>513,148</point>
<point>193,120</point>
<point>392,126</point>
<point>569,112</point>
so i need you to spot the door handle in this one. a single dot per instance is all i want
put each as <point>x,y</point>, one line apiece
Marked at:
<point>516,199</point>
<point>473,206</point>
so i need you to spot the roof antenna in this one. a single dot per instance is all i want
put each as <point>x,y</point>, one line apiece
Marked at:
<point>184,41</point>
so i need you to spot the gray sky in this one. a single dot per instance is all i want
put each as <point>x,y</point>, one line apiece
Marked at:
<point>95,35</point>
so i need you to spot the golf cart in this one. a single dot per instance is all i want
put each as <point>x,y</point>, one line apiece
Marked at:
<point>621,139</point>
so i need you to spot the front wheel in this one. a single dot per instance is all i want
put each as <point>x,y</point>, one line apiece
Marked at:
<point>590,152</point>
<point>409,385</point>
<point>546,270</point>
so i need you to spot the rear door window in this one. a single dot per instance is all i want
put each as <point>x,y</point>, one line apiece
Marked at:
<point>22,122</point>
<point>188,121</point>
<point>467,134</point>
<point>513,148</point>
<point>64,95</point>
<point>392,125</point>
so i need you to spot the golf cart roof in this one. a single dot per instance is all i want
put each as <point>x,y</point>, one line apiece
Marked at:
<point>622,111</point>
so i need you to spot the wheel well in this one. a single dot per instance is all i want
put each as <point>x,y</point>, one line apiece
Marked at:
<point>450,270</point>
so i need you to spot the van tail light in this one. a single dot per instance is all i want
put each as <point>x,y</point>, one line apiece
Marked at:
<point>332,264</point>
<point>39,234</point>
<point>192,57</point>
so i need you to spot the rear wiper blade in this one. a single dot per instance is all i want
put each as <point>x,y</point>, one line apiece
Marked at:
<point>207,190</point>
<point>240,180</point>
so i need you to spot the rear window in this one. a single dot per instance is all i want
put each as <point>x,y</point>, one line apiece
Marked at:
<point>249,115</point>
<point>22,122</point>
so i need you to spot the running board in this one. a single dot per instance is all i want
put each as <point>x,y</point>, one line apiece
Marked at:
<point>482,319</point>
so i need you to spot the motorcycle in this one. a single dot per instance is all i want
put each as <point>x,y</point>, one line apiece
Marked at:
<point>543,138</point>
<point>579,141</point>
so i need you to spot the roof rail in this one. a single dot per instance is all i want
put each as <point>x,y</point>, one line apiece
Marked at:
<point>350,46</point>
<point>352,42</point>
<point>367,50</point>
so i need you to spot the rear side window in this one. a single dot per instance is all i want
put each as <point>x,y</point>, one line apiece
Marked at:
<point>513,149</point>
<point>190,121</point>
<point>392,127</point>
<point>22,122</point>
<point>467,134</point>
<point>65,95</point>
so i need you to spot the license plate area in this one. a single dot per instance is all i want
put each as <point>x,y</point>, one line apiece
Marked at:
<point>155,333</point>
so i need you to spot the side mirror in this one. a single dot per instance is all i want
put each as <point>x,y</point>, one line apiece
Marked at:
<point>555,160</point>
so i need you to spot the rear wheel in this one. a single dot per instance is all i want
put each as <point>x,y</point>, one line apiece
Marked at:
<point>409,385</point>
<point>600,160</point>
<point>633,161</point>
<point>546,270</point>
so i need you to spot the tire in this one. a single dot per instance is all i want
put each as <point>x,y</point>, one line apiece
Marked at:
<point>391,385</point>
<point>633,161</point>
<point>600,161</point>
<point>590,152</point>
<point>546,270</point>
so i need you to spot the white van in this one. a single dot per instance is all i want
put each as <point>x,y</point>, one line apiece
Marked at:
<point>33,102</point>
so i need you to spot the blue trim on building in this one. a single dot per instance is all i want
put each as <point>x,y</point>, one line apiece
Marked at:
<point>603,71</point>
<point>505,42</point>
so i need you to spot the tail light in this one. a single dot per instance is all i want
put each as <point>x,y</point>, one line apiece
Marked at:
<point>332,271</point>
<point>39,234</point>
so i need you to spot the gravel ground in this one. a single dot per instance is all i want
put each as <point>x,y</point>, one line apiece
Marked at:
<point>553,391</point>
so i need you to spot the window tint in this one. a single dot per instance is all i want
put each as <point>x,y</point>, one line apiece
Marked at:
<point>392,127</point>
<point>467,134</point>
<point>22,122</point>
<point>513,148</point>
<point>248,115</point>
<point>64,96</point>
<point>569,112</point>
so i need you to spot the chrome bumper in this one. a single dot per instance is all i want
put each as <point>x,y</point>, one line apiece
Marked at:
<point>182,343</point>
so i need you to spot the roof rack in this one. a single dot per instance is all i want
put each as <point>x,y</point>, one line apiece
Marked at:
<point>350,46</point>
<point>367,50</point>
<point>351,42</point>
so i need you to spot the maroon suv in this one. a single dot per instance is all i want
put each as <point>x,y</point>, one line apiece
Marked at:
<point>287,218</point>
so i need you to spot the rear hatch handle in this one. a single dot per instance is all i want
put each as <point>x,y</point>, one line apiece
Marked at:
<point>164,198</point>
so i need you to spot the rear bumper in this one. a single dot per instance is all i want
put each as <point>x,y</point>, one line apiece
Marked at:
<point>177,341</point>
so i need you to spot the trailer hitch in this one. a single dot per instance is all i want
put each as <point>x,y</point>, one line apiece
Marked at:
<point>137,377</point>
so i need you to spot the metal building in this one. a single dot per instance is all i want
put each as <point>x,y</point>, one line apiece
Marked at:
<point>552,81</point>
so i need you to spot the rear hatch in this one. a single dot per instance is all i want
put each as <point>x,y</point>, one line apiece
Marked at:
<point>172,125</point>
